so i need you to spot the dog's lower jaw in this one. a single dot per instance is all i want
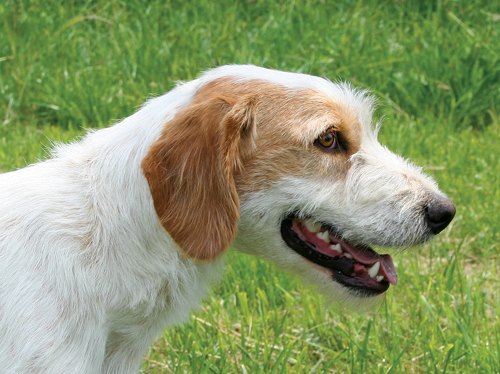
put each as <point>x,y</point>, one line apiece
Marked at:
<point>268,245</point>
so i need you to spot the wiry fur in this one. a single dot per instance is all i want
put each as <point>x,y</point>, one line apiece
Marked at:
<point>90,273</point>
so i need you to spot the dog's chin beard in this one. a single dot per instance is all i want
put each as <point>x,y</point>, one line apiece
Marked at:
<point>362,271</point>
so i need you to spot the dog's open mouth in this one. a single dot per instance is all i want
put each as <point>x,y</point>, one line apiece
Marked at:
<point>357,267</point>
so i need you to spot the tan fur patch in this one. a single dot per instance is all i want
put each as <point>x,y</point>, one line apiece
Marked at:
<point>234,138</point>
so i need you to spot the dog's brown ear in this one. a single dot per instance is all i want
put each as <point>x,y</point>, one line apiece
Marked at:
<point>191,168</point>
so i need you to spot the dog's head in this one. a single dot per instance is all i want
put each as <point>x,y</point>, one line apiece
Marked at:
<point>288,167</point>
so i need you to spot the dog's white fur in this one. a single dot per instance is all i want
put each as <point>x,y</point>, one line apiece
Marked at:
<point>88,274</point>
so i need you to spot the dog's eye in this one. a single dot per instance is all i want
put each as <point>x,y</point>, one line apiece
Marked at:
<point>328,141</point>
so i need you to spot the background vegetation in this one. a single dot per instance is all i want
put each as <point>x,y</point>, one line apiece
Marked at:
<point>434,65</point>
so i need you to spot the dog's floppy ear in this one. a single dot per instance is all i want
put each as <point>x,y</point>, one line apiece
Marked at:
<point>191,168</point>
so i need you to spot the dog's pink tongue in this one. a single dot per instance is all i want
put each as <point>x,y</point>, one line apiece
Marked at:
<point>368,257</point>
<point>387,269</point>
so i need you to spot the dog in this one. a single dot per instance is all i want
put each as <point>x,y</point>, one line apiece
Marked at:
<point>119,235</point>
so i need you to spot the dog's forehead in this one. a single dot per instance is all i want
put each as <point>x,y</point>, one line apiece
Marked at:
<point>341,93</point>
<point>302,106</point>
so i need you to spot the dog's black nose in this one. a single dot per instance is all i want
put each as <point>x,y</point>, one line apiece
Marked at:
<point>439,214</point>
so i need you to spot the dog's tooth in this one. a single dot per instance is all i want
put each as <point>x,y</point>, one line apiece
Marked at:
<point>324,235</point>
<point>336,248</point>
<point>312,226</point>
<point>373,271</point>
<point>347,254</point>
<point>379,278</point>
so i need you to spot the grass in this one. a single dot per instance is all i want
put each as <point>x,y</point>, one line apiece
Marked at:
<point>434,67</point>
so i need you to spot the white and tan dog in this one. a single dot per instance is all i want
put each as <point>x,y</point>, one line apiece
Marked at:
<point>119,235</point>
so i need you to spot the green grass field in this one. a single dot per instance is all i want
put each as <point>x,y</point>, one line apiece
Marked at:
<point>435,68</point>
